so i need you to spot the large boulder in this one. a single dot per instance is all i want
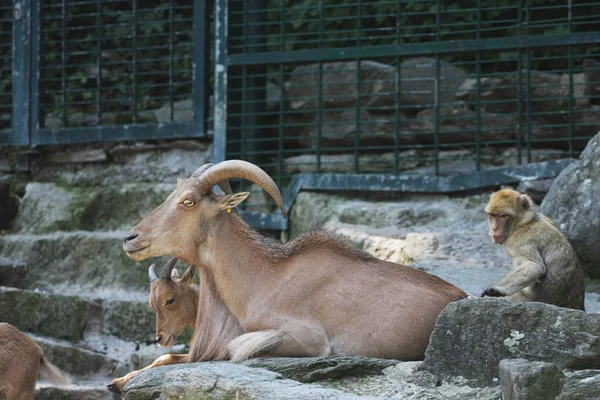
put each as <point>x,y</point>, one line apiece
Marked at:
<point>572,203</point>
<point>472,336</point>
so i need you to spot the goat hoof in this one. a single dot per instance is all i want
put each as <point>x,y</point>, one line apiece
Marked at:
<point>114,387</point>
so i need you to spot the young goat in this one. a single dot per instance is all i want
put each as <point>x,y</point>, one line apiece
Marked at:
<point>21,359</point>
<point>176,301</point>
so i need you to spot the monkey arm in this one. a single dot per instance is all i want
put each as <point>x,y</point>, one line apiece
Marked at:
<point>525,274</point>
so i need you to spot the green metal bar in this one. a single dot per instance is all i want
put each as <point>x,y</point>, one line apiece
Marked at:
<point>172,61</point>
<point>520,87</point>
<point>64,64</point>
<point>357,94</point>
<point>446,47</point>
<point>220,81</point>
<point>201,68</point>
<point>21,84</point>
<point>528,90</point>
<point>134,72</point>
<point>98,61</point>
<point>436,134</point>
<point>150,131</point>
<point>35,53</point>
<point>280,121</point>
<point>570,62</point>
<point>478,94</point>
<point>397,116</point>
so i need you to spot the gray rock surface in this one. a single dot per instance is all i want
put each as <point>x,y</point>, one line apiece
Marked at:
<point>61,317</point>
<point>85,391</point>
<point>223,380</point>
<point>493,329</point>
<point>529,380</point>
<point>581,385</point>
<point>572,203</point>
<point>77,262</point>
<point>127,164</point>
<point>130,320</point>
<point>338,85</point>
<point>312,369</point>
<point>418,82</point>
<point>100,208</point>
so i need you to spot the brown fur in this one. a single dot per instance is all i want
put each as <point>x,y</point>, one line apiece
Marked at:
<point>315,296</point>
<point>21,359</point>
<point>196,306</point>
<point>546,267</point>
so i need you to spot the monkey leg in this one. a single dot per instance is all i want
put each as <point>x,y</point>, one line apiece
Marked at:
<point>118,384</point>
<point>525,274</point>
<point>292,340</point>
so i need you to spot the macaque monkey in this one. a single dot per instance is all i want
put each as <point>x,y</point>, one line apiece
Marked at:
<point>545,266</point>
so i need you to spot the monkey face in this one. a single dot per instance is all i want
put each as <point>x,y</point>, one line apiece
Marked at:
<point>500,227</point>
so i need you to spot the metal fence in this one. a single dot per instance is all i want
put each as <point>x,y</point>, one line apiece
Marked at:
<point>425,95</point>
<point>103,70</point>
<point>405,95</point>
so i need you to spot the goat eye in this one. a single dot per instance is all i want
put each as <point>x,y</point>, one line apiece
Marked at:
<point>169,302</point>
<point>188,203</point>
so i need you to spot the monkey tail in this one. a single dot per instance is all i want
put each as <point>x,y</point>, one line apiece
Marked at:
<point>52,373</point>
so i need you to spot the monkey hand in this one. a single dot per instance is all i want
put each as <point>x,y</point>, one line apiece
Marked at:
<point>494,291</point>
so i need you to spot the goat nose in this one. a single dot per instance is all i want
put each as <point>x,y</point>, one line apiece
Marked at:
<point>130,236</point>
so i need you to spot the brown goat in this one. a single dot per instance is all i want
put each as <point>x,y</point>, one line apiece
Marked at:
<point>176,301</point>
<point>21,359</point>
<point>315,296</point>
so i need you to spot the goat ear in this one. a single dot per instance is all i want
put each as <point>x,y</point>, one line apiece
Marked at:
<point>188,275</point>
<point>174,273</point>
<point>230,201</point>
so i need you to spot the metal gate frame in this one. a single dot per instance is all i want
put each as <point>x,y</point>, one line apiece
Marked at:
<point>26,130</point>
<point>479,179</point>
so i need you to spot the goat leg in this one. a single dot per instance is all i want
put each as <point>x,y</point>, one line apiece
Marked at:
<point>292,340</point>
<point>117,385</point>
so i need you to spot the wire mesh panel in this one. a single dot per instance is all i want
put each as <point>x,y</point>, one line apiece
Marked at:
<point>425,88</point>
<point>6,38</point>
<point>109,64</point>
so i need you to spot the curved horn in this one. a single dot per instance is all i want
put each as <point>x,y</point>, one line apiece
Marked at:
<point>224,185</point>
<point>241,169</point>
<point>152,274</point>
<point>165,275</point>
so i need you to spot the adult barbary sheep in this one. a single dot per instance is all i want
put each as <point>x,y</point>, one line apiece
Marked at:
<point>315,296</point>
<point>21,359</point>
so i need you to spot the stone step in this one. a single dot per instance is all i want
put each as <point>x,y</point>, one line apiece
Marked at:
<point>78,361</point>
<point>51,207</point>
<point>12,272</point>
<point>72,317</point>
<point>57,316</point>
<point>81,391</point>
<point>77,262</point>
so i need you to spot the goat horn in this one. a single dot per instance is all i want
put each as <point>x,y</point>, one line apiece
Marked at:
<point>165,275</point>
<point>241,169</point>
<point>224,185</point>
<point>152,274</point>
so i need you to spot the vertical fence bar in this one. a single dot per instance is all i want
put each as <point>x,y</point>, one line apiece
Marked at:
<point>436,134</point>
<point>320,91</point>
<point>519,87</point>
<point>63,59</point>
<point>35,21</point>
<point>281,121</point>
<point>398,88</point>
<point>357,93</point>
<point>134,60</point>
<point>99,60</point>
<point>478,94</point>
<point>19,134</point>
<point>200,71</point>
<point>171,61</point>
<point>528,89</point>
<point>571,91</point>
<point>220,81</point>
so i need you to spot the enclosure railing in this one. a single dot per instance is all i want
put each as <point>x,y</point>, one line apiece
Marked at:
<point>424,96</point>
